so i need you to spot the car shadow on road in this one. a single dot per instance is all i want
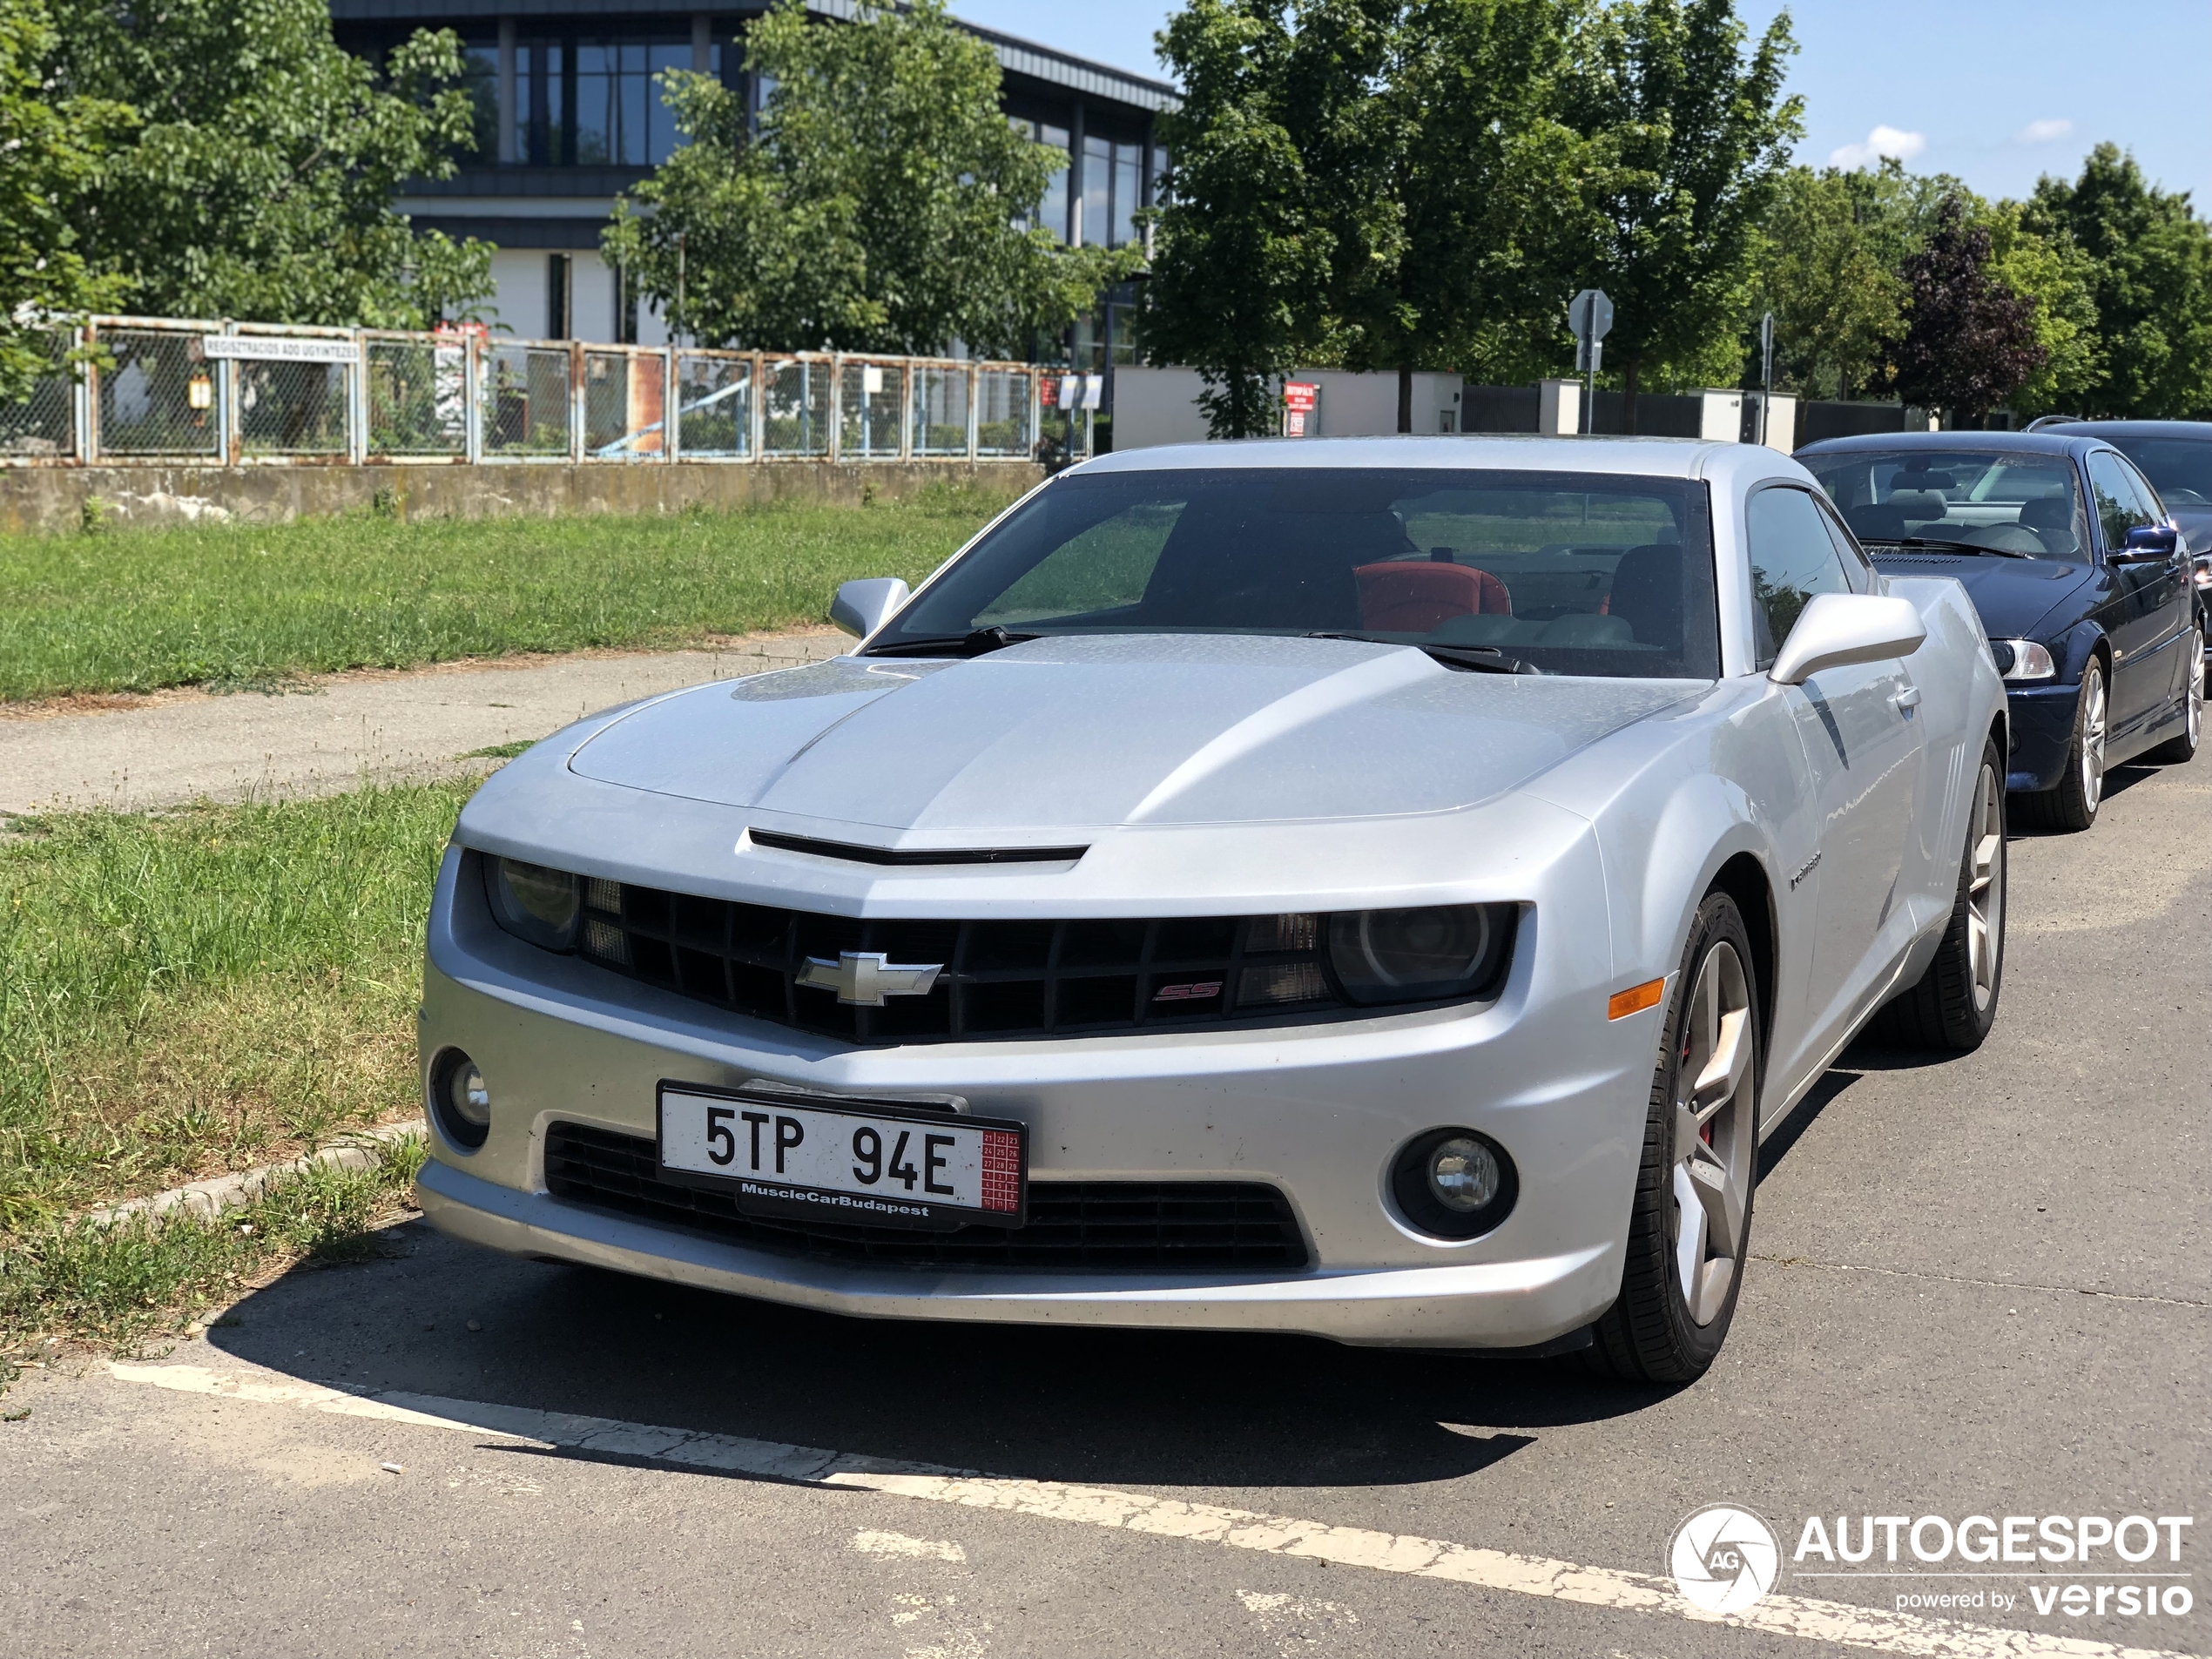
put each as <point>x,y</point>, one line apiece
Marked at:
<point>1069,1404</point>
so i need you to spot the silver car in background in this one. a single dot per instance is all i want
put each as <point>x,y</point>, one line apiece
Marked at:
<point>1382,889</point>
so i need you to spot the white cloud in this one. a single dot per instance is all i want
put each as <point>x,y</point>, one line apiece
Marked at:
<point>1882,141</point>
<point>2044,132</point>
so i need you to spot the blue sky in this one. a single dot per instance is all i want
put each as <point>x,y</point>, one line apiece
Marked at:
<point>1997,92</point>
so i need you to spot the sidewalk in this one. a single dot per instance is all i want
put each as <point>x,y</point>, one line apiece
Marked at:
<point>344,729</point>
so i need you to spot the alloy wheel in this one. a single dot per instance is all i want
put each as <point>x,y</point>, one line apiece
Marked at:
<point>1714,1136</point>
<point>2093,738</point>
<point>1986,890</point>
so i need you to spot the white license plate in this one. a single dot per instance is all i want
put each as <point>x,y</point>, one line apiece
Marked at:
<point>880,1162</point>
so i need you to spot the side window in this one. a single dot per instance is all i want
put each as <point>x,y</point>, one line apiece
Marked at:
<point>2147,490</point>
<point>1856,571</point>
<point>2122,503</point>
<point>1793,558</point>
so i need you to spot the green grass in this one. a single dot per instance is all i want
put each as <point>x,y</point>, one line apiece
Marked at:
<point>497,752</point>
<point>205,990</point>
<point>139,1279</point>
<point>233,606</point>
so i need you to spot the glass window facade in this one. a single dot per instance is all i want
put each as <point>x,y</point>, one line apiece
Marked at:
<point>583,101</point>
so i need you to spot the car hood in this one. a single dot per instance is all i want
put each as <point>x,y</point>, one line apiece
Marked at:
<point>1070,733</point>
<point>2011,595</point>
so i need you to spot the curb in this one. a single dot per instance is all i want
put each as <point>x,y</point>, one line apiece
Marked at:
<point>359,1149</point>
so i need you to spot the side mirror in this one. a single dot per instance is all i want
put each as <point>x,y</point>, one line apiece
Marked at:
<point>1837,630</point>
<point>2147,544</point>
<point>862,607</point>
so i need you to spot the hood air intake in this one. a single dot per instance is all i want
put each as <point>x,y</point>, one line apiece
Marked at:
<point>852,854</point>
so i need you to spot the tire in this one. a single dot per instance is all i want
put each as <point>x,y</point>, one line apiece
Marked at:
<point>2072,804</point>
<point>1689,1223</point>
<point>1954,1005</point>
<point>2181,749</point>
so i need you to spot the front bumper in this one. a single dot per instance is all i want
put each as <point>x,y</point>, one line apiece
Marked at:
<point>1506,1304</point>
<point>2042,727</point>
<point>1317,1111</point>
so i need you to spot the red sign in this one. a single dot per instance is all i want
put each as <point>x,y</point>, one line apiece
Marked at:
<point>1299,396</point>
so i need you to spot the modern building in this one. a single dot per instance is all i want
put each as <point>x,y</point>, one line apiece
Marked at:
<point>568,116</point>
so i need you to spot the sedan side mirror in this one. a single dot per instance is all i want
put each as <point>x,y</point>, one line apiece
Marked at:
<point>2147,544</point>
<point>1837,630</point>
<point>862,607</point>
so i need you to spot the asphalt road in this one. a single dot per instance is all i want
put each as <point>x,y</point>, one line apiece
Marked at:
<point>1981,1288</point>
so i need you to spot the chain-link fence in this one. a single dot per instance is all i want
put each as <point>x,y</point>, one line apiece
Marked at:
<point>714,407</point>
<point>1005,412</point>
<point>940,411</point>
<point>157,395</point>
<point>127,389</point>
<point>526,402</point>
<point>624,395</point>
<point>286,409</point>
<point>43,425</point>
<point>795,408</point>
<point>418,399</point>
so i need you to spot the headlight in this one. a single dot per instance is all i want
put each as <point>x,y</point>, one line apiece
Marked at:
<point>533,902</point>
<point>2023,659</point>
<point>1418,955</point>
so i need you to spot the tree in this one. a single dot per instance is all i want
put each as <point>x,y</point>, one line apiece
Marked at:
<point>1688,138</point>
<point>1970,341</point>
<point>2150,277</point>
<point>257,177</point>
<point>1837,304</point>
<point>1469,153</point>
<point>1240,256</point>
<point>50,146</point>
<point>882,205</point>
<point>2057,278</point>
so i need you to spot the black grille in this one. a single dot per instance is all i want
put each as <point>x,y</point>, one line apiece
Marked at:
<point>999,979</point>
<point>1074,1226</point>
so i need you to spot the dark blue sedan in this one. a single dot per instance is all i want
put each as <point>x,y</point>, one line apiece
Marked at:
<point>2078,572</point>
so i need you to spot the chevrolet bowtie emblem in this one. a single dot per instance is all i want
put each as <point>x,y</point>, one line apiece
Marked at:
<point>865,978</point>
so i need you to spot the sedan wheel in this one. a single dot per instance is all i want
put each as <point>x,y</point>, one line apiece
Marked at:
<point>2072,804</point>
<point>1713,1138</point>
<point>1954,1005</point>
<point>2181,748</point>
<point>1690,1224</point>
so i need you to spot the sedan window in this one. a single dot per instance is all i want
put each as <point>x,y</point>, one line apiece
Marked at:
<point>2008,502</point>
<point>1566,573</point>
<point>2123,502</point>
<point>1793,558</point>
<point>2181,468</point>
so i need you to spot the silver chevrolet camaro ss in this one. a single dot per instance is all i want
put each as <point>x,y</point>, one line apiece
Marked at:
<point>1382,889</point>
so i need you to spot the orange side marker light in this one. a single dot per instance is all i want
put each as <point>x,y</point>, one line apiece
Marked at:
<point>1635,1000</point>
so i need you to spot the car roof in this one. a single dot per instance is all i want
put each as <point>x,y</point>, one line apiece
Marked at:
<point>1528,452</point>
<point>2047,442</point>
<point>2200,431</point>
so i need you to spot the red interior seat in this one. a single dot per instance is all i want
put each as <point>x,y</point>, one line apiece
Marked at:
<point>1410,596</point>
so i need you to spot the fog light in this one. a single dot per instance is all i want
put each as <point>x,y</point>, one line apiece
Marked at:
<point>1463,1174</point>
<point>461,1099</point>
<point>1453,1183</point>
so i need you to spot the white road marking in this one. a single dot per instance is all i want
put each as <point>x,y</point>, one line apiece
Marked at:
<point>1489,1569</point>
<point>897,1543</point>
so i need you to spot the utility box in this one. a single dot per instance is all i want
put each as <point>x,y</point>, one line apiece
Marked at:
<point>1721,418</point>
<point>1559,406</point>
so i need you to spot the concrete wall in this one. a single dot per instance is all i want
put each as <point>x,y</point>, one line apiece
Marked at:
<point>1156,405</point>
<point>53,498</point>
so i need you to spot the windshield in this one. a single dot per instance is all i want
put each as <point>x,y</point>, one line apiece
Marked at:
<point>2180,469</point>
<point>2010,503</point>
<point>1569,573</point>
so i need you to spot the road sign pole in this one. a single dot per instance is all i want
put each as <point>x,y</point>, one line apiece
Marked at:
<point>1766,372</point>
<point>1590,316</point>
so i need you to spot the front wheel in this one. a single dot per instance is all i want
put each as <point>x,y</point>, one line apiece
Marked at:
<point>1954,1005</point>
<point>2072,804</point>
<point>1690,1224</point>
<point>2181,748</point>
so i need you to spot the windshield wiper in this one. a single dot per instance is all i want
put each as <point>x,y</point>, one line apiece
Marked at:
<point>981,643</point>
<point>1472,659</point>
<point>1932,540</point>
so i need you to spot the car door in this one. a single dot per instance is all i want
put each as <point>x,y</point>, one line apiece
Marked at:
<point>2150,602</point>
<point>1862,742</point>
